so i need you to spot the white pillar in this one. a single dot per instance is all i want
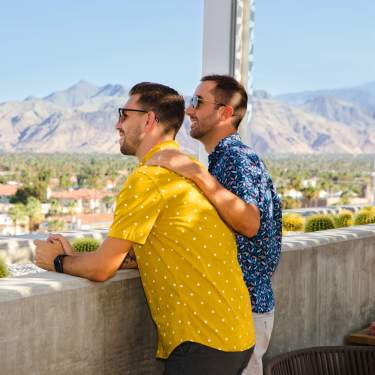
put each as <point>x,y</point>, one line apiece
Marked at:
<point>227,46</point>
<point>373,185</point>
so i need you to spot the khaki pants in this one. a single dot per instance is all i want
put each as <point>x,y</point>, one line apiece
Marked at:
<point>263,324</point>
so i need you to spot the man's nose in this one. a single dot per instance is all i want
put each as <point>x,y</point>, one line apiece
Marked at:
<point>189,110</point>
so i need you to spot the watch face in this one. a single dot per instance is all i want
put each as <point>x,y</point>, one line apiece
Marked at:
<point>58,263</point>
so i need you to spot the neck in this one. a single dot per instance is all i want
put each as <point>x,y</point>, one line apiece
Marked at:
<point>149,142</point>
<point>210,141</point>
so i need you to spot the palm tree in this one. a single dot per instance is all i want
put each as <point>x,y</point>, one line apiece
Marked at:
<point>17,213</point>
<point>310,194</point>
<point>34,212</point>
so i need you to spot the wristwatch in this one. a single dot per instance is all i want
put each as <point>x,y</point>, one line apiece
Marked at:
<point>58,262</point>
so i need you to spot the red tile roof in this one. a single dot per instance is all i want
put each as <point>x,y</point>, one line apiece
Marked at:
<point>7,190</point>
<point>85,218</point>
<point>85,194</point>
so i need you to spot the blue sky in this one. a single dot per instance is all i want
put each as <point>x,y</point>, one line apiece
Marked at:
<point>299,44</point>
<point>308,45</point>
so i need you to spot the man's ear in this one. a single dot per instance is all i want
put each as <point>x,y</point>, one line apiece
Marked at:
<point>226,112</point>
<point>151,121</point>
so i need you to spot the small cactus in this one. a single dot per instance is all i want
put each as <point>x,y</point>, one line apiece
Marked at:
<point>4,272</point>
<point>293,222</point>
<point>343,219</point>
<point>368,208</point>
<point>319,222</point>
<point>365,216</point>
<point>85,244</point>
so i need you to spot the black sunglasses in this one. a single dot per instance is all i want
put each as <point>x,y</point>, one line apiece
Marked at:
<point>121,111</point>
<point>196,101</point>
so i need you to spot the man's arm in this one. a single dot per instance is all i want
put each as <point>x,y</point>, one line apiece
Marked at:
<point>242,217</point>
<point>96,266</point>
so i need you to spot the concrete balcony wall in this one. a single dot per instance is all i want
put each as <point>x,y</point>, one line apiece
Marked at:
<point>325,288</point>
<point>59,324</point>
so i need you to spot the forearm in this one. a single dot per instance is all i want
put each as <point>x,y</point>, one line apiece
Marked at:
<point>85,265</point>
<point>242,217</point>
<point>99,265</point>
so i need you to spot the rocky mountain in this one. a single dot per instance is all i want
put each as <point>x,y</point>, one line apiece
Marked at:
<point>82,119</point>
<point>363,96</point>
<point>321,125</point>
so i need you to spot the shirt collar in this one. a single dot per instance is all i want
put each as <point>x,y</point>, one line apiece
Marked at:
<point>222,146</point>
<point>160,146</point>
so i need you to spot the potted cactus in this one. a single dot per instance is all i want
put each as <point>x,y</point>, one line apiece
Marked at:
<point>319,222</point>
<point>85,244</point>
<point>4,272</point>
<point>343,219</point>
<point>293,222</point>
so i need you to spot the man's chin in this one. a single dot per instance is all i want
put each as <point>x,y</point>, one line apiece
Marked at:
<point>125,151</point>
<point>195,135</point>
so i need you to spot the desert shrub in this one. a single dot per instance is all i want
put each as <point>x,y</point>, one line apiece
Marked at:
<point>368,209</point>
<point>365,216</point>
<point>290,203</point>
<point>343,219</point>
<point>4,272</point>
<point>293,222</point>
<point>55,225</point>
<point>319,222</point>
<point>85,244</point>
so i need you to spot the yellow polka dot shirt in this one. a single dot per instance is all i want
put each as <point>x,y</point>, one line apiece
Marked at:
<point>187,261</point>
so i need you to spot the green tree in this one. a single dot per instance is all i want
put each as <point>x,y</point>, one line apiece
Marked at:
<point>71,205</point>
<point>33,210</point>
<point>310,194</point>
<point>55,208</point>
<point>108,201</point>
<point>17,213</point>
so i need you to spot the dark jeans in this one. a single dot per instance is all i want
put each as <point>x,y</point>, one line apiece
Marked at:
<point>191,358</point>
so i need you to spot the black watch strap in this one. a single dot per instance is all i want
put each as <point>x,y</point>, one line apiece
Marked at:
<point>58,262</point>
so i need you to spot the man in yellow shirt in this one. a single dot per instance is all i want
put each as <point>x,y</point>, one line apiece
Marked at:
<point>185,253</point>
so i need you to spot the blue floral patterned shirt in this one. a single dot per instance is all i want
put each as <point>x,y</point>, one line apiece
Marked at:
<point>240,170</point>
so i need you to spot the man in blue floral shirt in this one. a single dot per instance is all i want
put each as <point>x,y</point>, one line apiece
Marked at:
<point>216,110</point>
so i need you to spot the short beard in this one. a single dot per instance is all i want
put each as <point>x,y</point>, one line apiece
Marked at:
<point>125,150</point>
<point>196,135</point>
<point>130,148</point>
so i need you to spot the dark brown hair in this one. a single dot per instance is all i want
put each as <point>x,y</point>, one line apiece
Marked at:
<point>230,92</point>
<point>167,103</point>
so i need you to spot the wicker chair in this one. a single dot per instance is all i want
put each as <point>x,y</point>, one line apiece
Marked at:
<point>324,360</point>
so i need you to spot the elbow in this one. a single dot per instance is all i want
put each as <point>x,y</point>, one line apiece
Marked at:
<point>253,223</point>
<point>250,231</point>
<point>100,276</point>
<point>251,228</point>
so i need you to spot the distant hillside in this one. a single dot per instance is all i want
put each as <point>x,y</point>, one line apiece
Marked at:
<point>363,96</point>
<point>82,118</point>
<point>320,126</point>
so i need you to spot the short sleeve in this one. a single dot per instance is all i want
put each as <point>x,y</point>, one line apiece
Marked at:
<point>137,207</point>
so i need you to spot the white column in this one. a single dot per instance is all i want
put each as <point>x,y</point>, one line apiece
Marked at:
<point>243,58</point>
<point>227,46</point>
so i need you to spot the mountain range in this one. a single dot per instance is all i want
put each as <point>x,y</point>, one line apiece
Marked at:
<point>81,119</point>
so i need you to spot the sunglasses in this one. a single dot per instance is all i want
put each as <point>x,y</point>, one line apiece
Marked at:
<point>196,101</point>
<point>122,112</point>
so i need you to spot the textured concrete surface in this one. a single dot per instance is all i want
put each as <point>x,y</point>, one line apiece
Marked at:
<point>324,287</point>
<point>59,324</point>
